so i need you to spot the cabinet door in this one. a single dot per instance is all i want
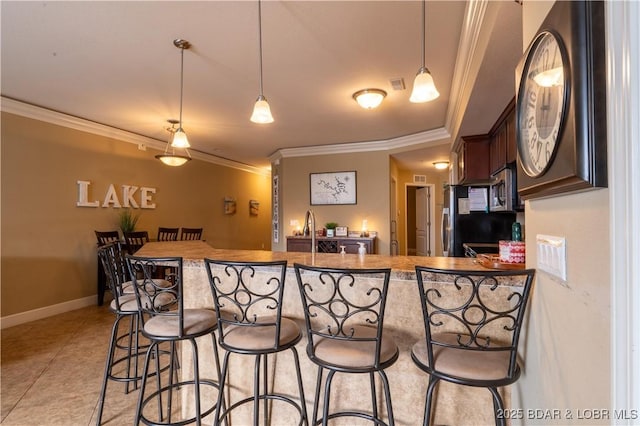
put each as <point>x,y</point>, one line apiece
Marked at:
<point>474,164</point>
<point>512,151</point>
<point>498,150</point>
<point>301,245</point>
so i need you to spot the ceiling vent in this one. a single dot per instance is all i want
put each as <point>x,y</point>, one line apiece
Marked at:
<point>397,83</point>
<point>419,179</point>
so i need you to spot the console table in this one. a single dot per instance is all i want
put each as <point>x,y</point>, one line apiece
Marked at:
<point>331,244</point>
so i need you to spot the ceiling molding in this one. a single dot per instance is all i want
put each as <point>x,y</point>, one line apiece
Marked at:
<point>417,140</point>
<point>463,78</point>
<point>23,109</point>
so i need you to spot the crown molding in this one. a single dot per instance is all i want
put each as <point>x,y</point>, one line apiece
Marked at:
<point>416,140</point>
<point>35,112</point>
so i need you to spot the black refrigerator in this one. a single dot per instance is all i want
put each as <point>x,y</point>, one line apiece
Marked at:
<point>466,219</point>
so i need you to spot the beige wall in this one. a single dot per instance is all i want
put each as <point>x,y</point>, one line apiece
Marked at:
<point>566,347</point>
<point>372,193</point>
<point>49,245</point>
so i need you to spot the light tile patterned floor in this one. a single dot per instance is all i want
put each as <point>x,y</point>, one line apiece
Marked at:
<point>51,372</point>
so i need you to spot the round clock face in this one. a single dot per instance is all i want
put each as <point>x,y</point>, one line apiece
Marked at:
<point>542,103</point>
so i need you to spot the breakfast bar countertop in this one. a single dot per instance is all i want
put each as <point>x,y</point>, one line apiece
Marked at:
<point>403,267</point>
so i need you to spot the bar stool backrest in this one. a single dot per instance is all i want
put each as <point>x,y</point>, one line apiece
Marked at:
<point>168,234</point>
<point>158,288</point>
<point>343,304</point>
<point>188,234</point>
<point>247,294</point>
<point>474,311</point>
<point>112,258</point>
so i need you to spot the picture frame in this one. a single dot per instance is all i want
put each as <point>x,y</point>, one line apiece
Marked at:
<point>333,188</point>
<point>342,231</point>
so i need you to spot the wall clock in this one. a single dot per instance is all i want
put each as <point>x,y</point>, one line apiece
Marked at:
<point>560,103</point>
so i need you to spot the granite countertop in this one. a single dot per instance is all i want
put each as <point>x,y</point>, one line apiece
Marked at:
<point>403,267</point>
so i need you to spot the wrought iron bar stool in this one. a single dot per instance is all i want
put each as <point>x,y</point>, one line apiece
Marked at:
<point>164,319</point>
<point>248,301</point>
<point>104,237</point>
<point>472,322</point>
<point>123,368</point>
<point>344,315</point>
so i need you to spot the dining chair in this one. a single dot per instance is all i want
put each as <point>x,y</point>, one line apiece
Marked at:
<point>248,302</point>
<point>104,237</point>
<point>167,234</point>
<point>191,234</point>
<point>472,322</point>
<point>344,315</point>
<point>165,319</point>
<point>136,239</point>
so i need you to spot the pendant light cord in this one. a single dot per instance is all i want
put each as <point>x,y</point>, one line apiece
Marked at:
<point>260,42</point>
<point>181,81</point>
<point>424,34</point>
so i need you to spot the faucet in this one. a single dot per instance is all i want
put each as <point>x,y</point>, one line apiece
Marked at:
<point>310,217</point>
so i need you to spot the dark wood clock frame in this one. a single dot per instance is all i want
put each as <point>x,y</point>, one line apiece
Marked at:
<point>580,160</point>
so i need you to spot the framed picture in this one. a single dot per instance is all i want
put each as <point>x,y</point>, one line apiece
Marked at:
<point>332,188</point>
<point>342,231</point>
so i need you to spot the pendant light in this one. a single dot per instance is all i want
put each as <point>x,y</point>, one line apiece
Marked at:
<point>424,89</point>
<point>169,157</point>
<point>261,111</point>
<point>180,137</point>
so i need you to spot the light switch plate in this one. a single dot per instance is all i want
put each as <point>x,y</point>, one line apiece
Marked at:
<point>552,255</point>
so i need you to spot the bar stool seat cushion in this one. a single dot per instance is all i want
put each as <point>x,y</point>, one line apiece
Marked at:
<point>257,338</point>
<point>127,302</point>
<point>127,286</point>
<point>355,353</point>
<point>196,321</point>
<point>464,363</point>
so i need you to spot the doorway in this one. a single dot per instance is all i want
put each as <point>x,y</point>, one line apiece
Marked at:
<point>420,235</point>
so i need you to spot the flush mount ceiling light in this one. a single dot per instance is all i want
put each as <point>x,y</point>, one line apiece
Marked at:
<point>170,157</point>
<point>369,98</point>
<point>180,137</point>
<point>441,165</point>
<point>424,89</point>
<point>261,111</point>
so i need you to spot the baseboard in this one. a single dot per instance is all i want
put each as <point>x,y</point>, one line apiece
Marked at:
<point>47,311</point>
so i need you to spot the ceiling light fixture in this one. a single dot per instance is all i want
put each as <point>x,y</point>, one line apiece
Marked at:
<point>424,89</point>
<point>261,111</point>
<point>441,165</point>
<point>369,98</point>
<point>180,137</point>
<point>169,157</point>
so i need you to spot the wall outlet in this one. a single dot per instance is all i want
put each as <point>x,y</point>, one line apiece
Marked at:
<point>552,255</point>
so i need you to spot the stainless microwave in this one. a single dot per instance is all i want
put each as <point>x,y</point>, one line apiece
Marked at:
<point>502,191</point>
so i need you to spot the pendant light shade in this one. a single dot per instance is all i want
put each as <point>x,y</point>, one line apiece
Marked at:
<point>261,111</point>
<point>171,155</point>
<point>424,89</point>
<point>180,139</point>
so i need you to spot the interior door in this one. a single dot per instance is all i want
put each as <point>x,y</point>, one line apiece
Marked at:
<point>423,222</point>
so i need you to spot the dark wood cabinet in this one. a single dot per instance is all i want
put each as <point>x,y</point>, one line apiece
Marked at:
<point>473,159</point>
<point>332,244</point>
<point>502,138</point>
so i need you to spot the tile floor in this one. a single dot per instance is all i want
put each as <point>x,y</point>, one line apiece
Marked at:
<point>51,372</point>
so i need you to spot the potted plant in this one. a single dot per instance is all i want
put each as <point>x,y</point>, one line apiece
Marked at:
<point>331,228</point>
<point>128,221</point>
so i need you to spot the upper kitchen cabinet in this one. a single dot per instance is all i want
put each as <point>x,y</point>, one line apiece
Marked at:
<point>473,159</point>
<point>502,140</point>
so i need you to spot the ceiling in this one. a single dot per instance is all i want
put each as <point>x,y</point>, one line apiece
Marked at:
<point>114,63</point>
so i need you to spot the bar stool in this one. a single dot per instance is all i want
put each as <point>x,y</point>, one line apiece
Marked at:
<point>344,314</point>
<point>248,301</point>
<point>135,240</point>
<point>164,319</point>
<point>472,322</point>
<point>124,306</point>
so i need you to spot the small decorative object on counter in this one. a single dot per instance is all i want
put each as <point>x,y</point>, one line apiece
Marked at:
<point>362,250</point>
<point>331,228</point>
<point>512,251</point>
<point>516,231</point>
<point>342,249</point>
